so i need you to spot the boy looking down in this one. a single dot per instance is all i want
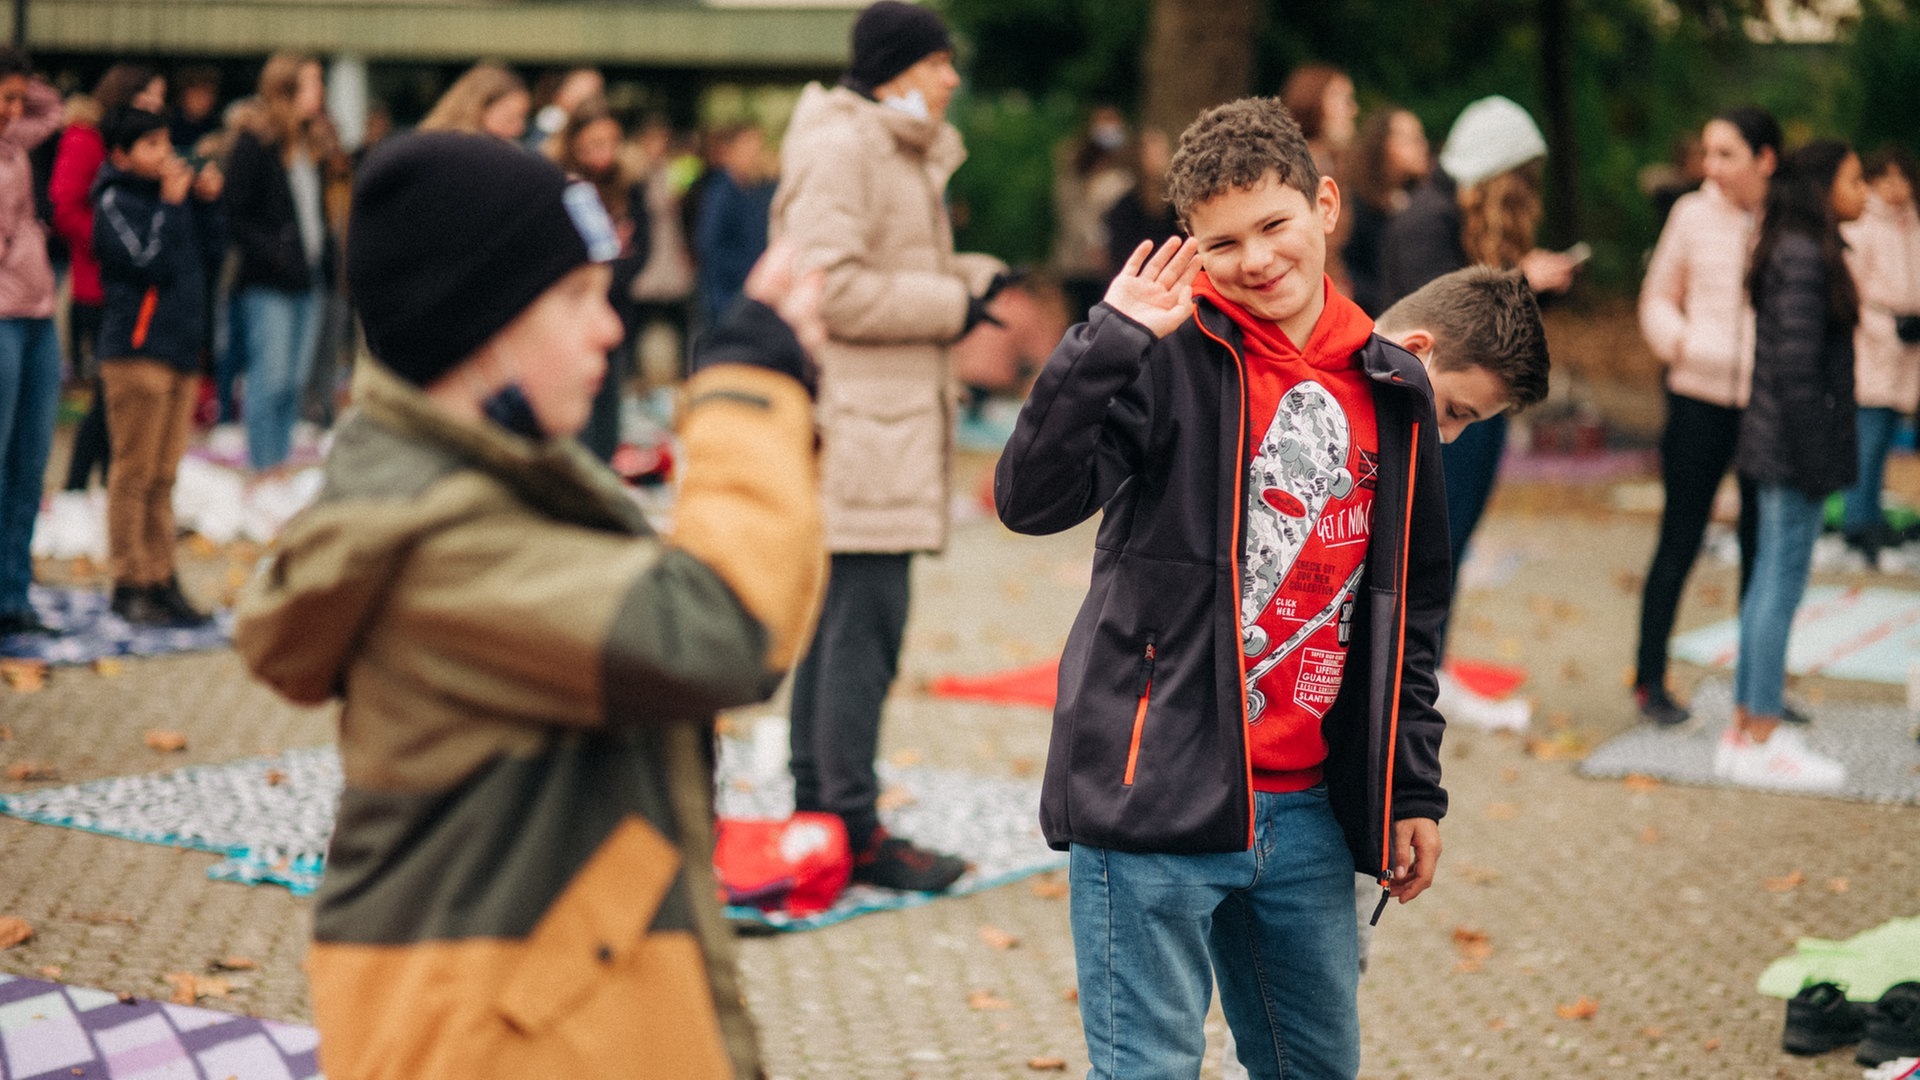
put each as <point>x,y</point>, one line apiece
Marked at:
<point>1246,698</point>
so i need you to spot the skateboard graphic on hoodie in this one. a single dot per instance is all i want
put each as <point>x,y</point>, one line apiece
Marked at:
<point>1299,468</point>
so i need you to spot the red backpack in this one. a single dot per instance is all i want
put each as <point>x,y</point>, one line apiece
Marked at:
<point>797,864</point>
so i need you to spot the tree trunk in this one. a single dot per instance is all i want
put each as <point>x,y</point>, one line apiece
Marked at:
<point>1563,145</point>
<point>1199,54</point>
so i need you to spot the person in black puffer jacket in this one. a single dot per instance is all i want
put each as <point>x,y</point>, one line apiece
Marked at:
<point>1796,444</point>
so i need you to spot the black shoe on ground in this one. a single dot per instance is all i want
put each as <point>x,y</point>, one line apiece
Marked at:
<point>890,862</point>
<point>25,622</point>
<point>1791,715</point>
<point>1893,1026</point>
<point>1867,542</point>
<point>1819,1019</point>
<point>1657,708</point>
<point>179,609</point>
<point>137,605</point>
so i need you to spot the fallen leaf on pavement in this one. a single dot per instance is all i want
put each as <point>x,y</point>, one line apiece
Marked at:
<point>1023,766</point>
<point>189,988</point>
<point>202,546</point>
<point>167,742</point>
<point>109,667</point>
<point>234,963</point>
<point>1503,811</point>
<point>13,931</point>
<point>1788,883</point>
<point>1047,1064</point>
<point>1584,1009</point>
<point>124,997</point>
<point>25,676</point>
<point>1562,745</point>
<point>1653,1034</point>
<point>275,778</point>
<point>904,758</point>
<point>987,1000</point>
<point>1475,875</point>
<point>1710,1044</point>
<point>1473,947</point>
<point>996,938</point>
<point>894,798</point>
<point>6,733</point>
<point>1650,835</point>
<point>1498,1023</point>
<point>1049,888</point>
<point>32,770</point>
<point>1838,885</point>
<point>1071,993</point>
<point>49,971</point>
<point>1640,782</point>
<point>1509,775</point>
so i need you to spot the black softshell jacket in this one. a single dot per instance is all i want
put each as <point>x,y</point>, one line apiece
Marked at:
<point>1150,747</point>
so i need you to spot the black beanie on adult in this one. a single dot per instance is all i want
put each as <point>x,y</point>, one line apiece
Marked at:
<point>451,236</point>
<point>888,38</point>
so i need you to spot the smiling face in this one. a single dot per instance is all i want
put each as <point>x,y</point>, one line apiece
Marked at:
<point>556,349</point>
<point>1265,249</point>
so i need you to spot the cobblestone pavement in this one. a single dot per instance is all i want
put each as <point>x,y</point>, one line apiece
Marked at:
<point>1651,902</point>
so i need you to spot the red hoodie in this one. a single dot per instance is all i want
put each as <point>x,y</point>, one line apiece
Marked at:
<point>1311,458</point>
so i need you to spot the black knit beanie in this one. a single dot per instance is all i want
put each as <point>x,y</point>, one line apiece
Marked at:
<point>888,38</point>
<point>452,235</point>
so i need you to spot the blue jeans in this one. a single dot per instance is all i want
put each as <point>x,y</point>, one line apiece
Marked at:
<point>1275,927</point>
<point>1877,427</point>
<point>29,398</point>
<point>282,330</point>
<point>1789,524</point>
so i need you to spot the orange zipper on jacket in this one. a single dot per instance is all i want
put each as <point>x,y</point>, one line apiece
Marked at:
<point>1233,554</point>
<point>1140,714</point>
<point>1400,652</point>
<point>144,322</point>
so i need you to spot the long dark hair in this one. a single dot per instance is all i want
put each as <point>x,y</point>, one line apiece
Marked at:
<point>1800,200</point>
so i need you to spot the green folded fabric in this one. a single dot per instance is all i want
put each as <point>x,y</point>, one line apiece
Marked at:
<point>1864,965</point>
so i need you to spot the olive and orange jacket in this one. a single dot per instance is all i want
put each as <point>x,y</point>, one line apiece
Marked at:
<point>519,883</point>
<point>1150,748</point>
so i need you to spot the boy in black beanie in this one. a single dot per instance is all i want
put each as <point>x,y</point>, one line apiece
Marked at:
<point>520,878</point>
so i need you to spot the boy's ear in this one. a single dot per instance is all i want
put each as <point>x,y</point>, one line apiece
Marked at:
<point>1415,341</point>
<point>1328,199</point>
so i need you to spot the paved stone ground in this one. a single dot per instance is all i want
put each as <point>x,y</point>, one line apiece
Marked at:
<point>1650,903</point>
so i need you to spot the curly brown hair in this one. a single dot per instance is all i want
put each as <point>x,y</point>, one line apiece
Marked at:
<point>1237,145</point>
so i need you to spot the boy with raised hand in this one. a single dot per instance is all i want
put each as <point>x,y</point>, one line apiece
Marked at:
<point>520,880</point>
<point>1246,698</point>
<point>159,233</point>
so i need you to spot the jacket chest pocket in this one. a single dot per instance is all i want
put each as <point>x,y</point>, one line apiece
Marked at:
<point>596,925</point>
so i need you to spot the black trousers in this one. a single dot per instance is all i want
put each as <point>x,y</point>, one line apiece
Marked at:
<point>841,686</point>
<point>1695,451</point>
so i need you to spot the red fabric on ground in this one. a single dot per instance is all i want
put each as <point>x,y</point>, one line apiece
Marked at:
<point>1035,684</point>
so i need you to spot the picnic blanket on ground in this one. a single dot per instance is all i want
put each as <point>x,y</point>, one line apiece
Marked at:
<point>53,1032</point>
<point>1875,742</point>
<point>270,818</point>
<point>93,632</point>
<point>1872,634</point>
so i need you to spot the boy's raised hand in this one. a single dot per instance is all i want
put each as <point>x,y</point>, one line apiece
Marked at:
<point>1155,288</point>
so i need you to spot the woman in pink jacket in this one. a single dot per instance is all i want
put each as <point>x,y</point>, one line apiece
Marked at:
<point>1884,253</point>
<point>1696,317</point>
<point>29,350</point>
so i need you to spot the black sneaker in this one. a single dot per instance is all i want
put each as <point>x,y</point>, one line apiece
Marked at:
<point>25,622</point>
<point>1820,1018</point>
<point>1657,708</point>
<point>890,862</point>
<point>179,609</point>
<point>1893,1026</point>
<point>1791,715</point>
<point>137,605</point>
<point>1867,543</point>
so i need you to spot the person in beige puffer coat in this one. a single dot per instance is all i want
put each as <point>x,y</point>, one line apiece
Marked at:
<point>1883,250</point>
<point>864,168</point>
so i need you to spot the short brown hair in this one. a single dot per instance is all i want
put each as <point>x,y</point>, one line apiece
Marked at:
<point>1480,317</point>
<point>1235,146</point>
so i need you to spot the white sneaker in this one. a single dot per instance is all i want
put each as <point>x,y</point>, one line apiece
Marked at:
<point>1782,762</point>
